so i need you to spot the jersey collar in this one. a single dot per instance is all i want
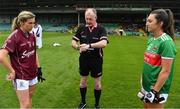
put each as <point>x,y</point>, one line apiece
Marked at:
<point>26,35</point>
<point>91,28</point>
<point>159,36</point>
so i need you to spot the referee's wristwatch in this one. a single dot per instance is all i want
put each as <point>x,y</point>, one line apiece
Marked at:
<point>89,45</point>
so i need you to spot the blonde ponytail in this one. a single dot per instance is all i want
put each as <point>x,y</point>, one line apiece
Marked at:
<point>15,24</point>
<point>21,18</point>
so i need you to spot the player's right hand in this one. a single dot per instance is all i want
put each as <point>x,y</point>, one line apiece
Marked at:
<point>10,76</point>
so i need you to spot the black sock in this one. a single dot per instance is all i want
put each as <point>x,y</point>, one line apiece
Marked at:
<point>83,94</point>
<point>97,94</point>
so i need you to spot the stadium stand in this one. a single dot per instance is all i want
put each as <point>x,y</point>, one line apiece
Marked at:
<point>5,27</point>
<point>65,16</point>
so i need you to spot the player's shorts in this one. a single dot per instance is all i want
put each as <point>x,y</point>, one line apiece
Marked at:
<point>161,95</point>
<point>92,65</point>
<point>20,84</point>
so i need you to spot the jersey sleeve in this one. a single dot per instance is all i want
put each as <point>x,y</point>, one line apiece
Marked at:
<point>104,34</point>
<point>77,35</point>
<point>10,44</point>
<point>168,50</point>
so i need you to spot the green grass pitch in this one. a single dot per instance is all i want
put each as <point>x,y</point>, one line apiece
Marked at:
<point>123,59</point>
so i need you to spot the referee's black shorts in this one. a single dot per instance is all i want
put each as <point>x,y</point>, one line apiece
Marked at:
<point>92,65</point>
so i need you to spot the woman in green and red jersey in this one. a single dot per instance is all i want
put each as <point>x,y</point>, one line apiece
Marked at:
<point>159,59</point>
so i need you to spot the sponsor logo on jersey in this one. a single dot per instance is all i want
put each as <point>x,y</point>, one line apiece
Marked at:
<point>152,59</point>
<point>27,54</point>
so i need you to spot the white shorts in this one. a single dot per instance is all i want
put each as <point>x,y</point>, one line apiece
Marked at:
<point>161,95</point>
<point>20,84</point>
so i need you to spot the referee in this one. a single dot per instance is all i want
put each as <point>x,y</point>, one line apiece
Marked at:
<point>92,38</point>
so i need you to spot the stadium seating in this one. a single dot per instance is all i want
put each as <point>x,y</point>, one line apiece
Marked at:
<point>5,27</point>
<point>177,30</point>
<point>55,28</point>
<point>112,28</point>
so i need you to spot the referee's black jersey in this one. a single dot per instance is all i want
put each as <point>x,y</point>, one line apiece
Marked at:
<point>89,35</point>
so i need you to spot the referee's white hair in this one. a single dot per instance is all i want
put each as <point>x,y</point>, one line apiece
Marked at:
<point>91,11</point>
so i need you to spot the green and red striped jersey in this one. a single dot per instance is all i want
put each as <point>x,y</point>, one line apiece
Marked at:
<point>160,48</point>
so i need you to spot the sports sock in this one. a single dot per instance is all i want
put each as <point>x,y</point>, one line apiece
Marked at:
<point>83,94</point>
<point>97,94</point>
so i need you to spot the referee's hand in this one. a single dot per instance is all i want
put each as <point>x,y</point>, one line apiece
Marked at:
<point>83,47</point>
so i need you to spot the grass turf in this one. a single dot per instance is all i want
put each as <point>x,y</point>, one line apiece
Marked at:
<point>123,59</point>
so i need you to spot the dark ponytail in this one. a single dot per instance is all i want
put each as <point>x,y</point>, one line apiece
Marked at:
<point>165,16</point>
<point>170,27</point>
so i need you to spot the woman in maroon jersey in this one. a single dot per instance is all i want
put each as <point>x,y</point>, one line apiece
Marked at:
<point>23,65</point>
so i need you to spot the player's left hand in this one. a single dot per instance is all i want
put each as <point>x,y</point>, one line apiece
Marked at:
<point>151,97</point>
<point>39,75</point>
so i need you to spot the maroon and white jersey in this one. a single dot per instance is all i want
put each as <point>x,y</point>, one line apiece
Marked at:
<point>22,52</point>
